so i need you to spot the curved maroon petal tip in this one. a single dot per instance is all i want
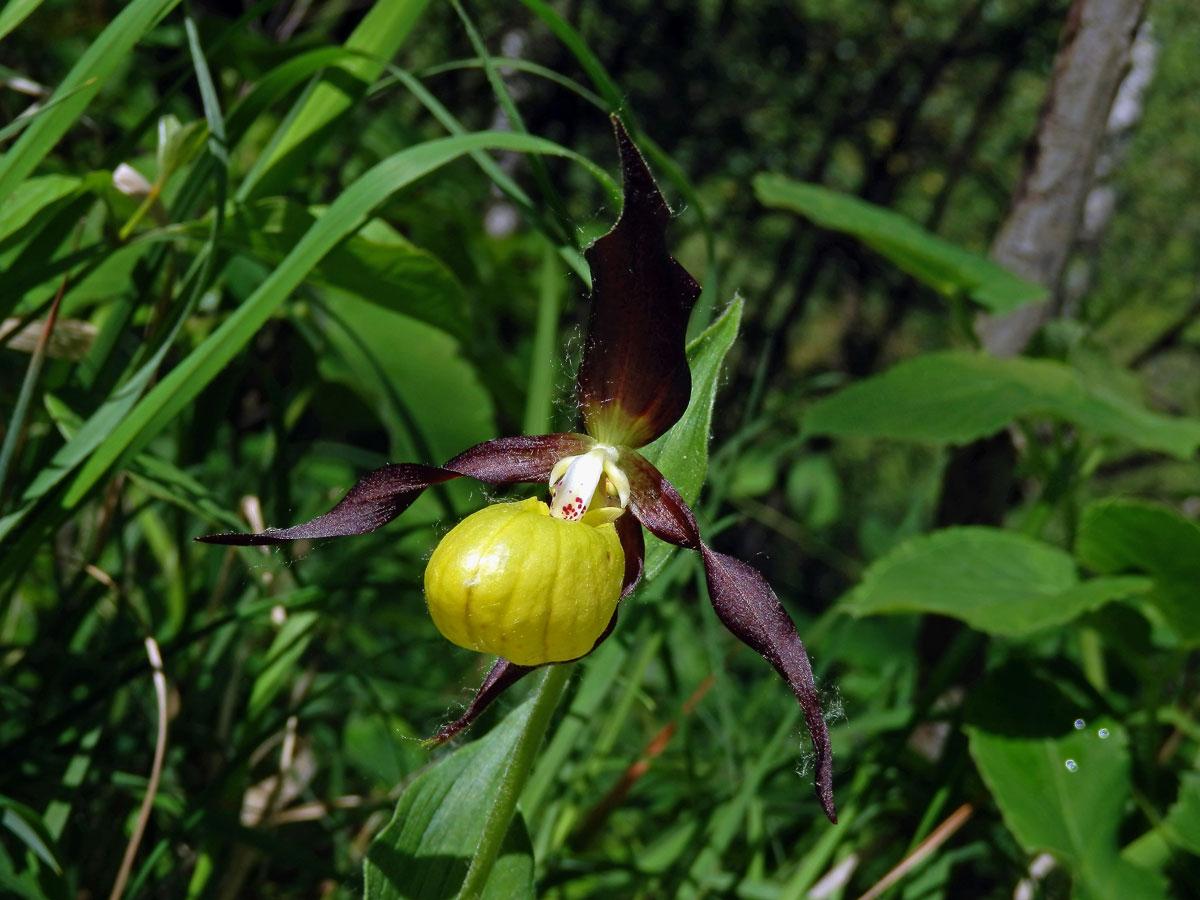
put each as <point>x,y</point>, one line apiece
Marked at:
<point>633,544</point>
<point>500,678</point>
<point>634,382</point>
<point>383,494</point>
<point>747,606</point>
<point>656,503</point>
<point>376,499</point>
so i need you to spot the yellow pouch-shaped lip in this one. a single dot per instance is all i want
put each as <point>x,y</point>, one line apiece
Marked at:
<point>513,581</point>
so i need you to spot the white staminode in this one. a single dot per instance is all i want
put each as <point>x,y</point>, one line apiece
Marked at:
<point>575,479</point>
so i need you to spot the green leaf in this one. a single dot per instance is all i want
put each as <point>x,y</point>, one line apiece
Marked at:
<point>30,830</point>
<point>1022,734</point>
<point>682,453</point>
<point>345,216</point>
<point>32,196</point>
<point>108,51</point>
<point>375,40</point>
<point>15,12</point>
<point>996,581</point>
<point>934,261</point>
<point>426,851</point>
<point>1131,535</point>
<point>1123,535</point>
<point>377,263</point>
<point>412,374</point>
<point>1183,818</point>
<point>286,649</point>
<point>955,398</point>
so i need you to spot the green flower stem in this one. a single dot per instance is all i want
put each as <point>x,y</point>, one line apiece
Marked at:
<point>500,815</point>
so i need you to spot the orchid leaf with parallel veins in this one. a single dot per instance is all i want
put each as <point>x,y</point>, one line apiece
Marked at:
<point>634,381</point>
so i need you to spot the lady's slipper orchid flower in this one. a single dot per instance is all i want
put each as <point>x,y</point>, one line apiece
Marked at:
<point>537,584</point>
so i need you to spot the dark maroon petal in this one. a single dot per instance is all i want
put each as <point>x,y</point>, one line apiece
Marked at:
<point>509,460</point>
<point>378,498</point>
<point>749,608</point>
<point>629,530</point>
<point>634,381</point>
<point>657,504</point>
<point>500,677</point>
<point>382,495</point>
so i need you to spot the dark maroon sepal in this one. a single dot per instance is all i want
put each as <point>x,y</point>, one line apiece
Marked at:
<point>743,600</point>
<point>634,381</point>
<point>503,675</point>
<point>500,678</point>
<point>748,607</point>
<point>376,499</point>
<point>633,544</point>
<point>510,460</point>
<point>383,494</point>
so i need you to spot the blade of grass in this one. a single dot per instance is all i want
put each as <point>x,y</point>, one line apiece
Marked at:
<point>543,360</point>
<point>343,217</point>
<point>567,233</point>
<point>14,13</point>
<point>520,65</point>
<point>378,37</point>
<point>489,166</point>
<point>20,123</point>
<point>615,98</point>
<point>16,424</point>
<point>82,83</point>
<point>101,423</point>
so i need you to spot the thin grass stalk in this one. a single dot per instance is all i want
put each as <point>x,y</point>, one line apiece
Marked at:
<point>160,749</point>
<point>936,838</point>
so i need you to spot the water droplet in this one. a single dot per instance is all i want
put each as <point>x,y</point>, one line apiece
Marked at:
<point>1102,733</point>
<point>1071,765</point>
<point>1080,724</point>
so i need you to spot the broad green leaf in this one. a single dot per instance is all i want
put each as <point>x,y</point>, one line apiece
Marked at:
<point>1131,535</point>
<point>87,76</point>
<point>313,119</point>
<point>425,852</point>
<point>1022,734</point>
<point>944,266</point>
<point>682,453</point>
<point>954,398</point>
<point>1183,818</point>
<point>377,263</point>
<point>996,581</point>
<point>1122,535</point>
<point>412,374</point>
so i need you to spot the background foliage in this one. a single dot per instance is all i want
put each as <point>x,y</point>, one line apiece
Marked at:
<point>356,238</point>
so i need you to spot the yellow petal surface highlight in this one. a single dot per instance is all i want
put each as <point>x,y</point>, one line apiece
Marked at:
<point>514,581</point>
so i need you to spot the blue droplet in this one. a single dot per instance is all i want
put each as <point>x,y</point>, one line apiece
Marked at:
<point>1080,724</point>
<point>1071,765</point>
<point>1102,733</point>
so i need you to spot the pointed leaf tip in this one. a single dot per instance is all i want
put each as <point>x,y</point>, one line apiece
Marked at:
<point>634,381</point>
